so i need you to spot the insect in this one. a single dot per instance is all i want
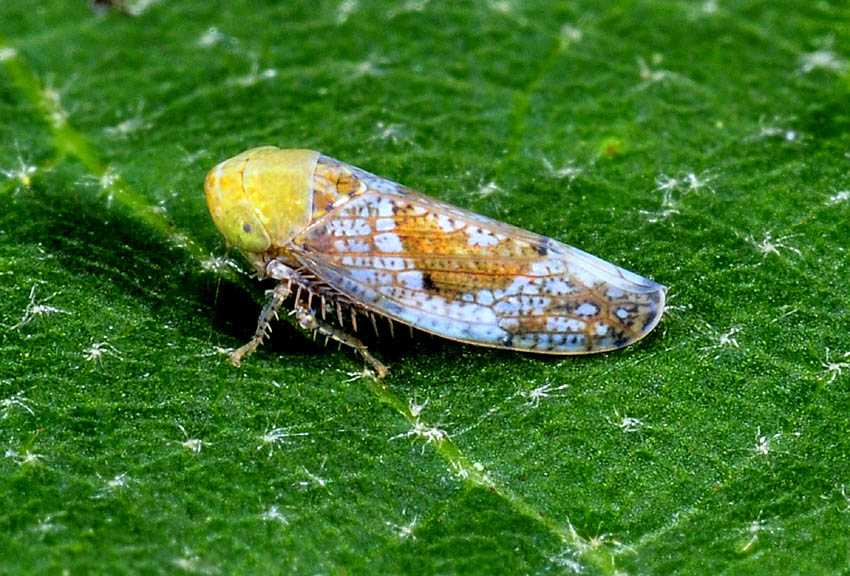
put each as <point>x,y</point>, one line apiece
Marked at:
<point>347,241</point>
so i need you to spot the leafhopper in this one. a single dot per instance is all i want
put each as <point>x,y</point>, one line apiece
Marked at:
<point>346,243</point>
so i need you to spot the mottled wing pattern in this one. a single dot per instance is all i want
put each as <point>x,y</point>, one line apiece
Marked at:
<point>462,276</point>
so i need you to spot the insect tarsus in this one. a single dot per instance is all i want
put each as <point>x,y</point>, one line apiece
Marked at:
<point>280,293</point>
<point>308,320</point>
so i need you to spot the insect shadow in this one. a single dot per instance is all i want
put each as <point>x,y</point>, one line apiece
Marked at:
<point>82,236</point>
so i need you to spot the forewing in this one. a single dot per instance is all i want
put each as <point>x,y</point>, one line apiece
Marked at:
<point>462,276</point>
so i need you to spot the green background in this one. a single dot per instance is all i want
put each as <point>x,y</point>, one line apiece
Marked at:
<point>703,144</point>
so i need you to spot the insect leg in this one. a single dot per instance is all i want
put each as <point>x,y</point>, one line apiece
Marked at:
<point>269,313</point>
<point>307,319</point>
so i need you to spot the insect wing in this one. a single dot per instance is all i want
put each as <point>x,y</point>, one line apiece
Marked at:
<point>459,275</point>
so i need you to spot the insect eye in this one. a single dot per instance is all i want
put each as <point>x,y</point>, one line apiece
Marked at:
<point>241,226</point>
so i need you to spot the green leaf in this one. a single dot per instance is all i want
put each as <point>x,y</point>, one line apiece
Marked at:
<point>704,144</point>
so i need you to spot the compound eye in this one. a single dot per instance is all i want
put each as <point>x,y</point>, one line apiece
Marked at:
<point>244,230</point>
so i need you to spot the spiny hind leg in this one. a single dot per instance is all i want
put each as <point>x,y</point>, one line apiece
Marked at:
<point>307,319</point>
<point>269,313</point>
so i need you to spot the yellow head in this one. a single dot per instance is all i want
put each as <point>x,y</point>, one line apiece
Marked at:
<point>261,198</point>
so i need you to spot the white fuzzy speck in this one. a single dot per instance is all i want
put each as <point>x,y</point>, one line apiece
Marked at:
<point>273,514</point>
<point>842,196</point>
<point>7,54</point>
<point>345,9</point>
<point>210,37</point>
<point>821,60</point>
<point>34,310</point>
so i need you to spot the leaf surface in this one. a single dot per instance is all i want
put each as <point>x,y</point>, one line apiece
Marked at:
<point>704,145</point>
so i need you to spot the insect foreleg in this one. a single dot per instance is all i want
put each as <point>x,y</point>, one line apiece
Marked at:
<point>308,320</point>
<point>269,313</point>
